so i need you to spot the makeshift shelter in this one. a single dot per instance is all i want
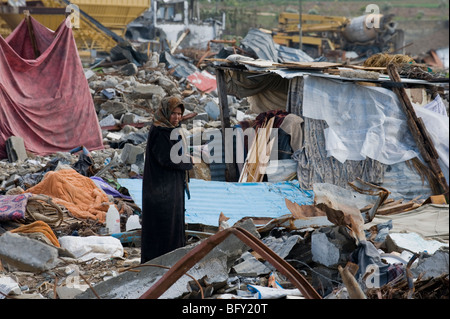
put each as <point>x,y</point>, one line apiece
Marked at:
<point>352,126</point>
<point>44,95</point>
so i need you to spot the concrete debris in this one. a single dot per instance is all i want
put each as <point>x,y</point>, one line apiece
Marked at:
<point>326,248</point>
<point>15,148</point>
<point>331,246</point>
<point>26,254</point>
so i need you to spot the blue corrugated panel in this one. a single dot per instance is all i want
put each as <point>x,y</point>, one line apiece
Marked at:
<point>235,200</point>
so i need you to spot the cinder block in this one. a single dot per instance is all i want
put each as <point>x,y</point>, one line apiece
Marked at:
<point>27,254</point>
<point>15,148</point>
<point>132,154</point>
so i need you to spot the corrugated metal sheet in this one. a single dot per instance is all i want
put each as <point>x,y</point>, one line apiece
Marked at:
<point>261,43</point>
<point>235,200</point>
<point>286,54</point>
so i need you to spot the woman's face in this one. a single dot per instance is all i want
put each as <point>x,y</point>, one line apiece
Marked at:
<point>175,116</point>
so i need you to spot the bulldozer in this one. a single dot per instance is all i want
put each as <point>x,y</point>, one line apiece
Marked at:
<point>102,23</point>
<point>325,35</point>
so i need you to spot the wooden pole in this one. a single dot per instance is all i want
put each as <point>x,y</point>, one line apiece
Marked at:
<point>353,288</point>
<point>420,135</point>
<point>31,33</point>
<point>185,33</point>
<point>231,173</point>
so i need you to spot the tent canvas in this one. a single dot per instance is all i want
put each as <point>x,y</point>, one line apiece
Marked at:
<point>44,96</point>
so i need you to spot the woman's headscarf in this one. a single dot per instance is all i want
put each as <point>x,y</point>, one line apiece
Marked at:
<point>162,118</point>
<point>168,104</point>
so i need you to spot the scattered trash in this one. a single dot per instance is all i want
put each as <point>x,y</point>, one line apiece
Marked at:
<point>324,219</point>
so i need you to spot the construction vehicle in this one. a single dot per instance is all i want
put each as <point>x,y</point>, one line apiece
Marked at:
<point>322,35</point>
<point>102,23</point>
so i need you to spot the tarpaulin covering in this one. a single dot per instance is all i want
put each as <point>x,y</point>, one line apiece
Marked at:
<point>46,99</point>
<point>371,123</point>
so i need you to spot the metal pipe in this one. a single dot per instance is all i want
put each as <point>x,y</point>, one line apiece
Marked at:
<point>201,250</point>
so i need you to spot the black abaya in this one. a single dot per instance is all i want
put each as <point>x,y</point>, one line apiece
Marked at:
<point>163,197</point>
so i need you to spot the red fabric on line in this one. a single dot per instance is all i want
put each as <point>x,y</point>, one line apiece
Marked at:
<point>45,100</point>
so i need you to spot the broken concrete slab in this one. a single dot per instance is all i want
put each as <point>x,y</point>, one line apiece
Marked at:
<point>283,245</point>
<point>115,108</point>
<point>15,149</point>
<point>147,91</point>
<point>108,120</point>
<point>64,292</point>
<point>215,266</point>
<point>129,69</point>
<point>132,154</point>
<point>331,246</point>
<point>250,266</point>
<point>432,266</point>
<point>128,118</point>
<point>27,254</point>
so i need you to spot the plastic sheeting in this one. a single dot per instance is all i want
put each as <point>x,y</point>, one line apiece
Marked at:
<point>87,248</point>
<point>369,122</point>
<point>437,126</point>
<point>45,100</point>
<point>430,221</point>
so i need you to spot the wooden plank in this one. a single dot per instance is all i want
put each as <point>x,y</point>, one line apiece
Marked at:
<point>37,53</point>
<point>368,68</point>
<point>185,33</point>
<point>231,174</point>
<point>353,288</point>
<point>308,65</point>
<point>396,208</point>
<point>420,135</point>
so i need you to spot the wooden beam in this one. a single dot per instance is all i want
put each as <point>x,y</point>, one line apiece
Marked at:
<point>420,134</point>
<point>353,288</point>
<point>31,33</point>
<point>231,173</point>
<point>185,33</point>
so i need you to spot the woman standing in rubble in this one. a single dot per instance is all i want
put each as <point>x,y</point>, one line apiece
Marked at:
<point>164,183</point>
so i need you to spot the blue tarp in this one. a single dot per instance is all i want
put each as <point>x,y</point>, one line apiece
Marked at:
<point>234,200</point>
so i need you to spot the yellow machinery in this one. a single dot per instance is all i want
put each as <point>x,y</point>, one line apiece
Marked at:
<point>322,34</point>
<point>102,23</point>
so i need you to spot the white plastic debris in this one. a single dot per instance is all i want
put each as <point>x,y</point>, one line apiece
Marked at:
<point>261,292</point>
<point>8,286</point>
<point>133,223</point>
<point>86,248</point>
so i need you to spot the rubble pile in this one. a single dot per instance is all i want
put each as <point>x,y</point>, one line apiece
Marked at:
<point>51,251</point>
<point>125,99</point>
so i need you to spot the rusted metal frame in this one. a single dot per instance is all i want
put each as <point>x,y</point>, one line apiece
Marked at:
<point>279,263</point>
<point>183,265</point>
<point>201,250</point>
